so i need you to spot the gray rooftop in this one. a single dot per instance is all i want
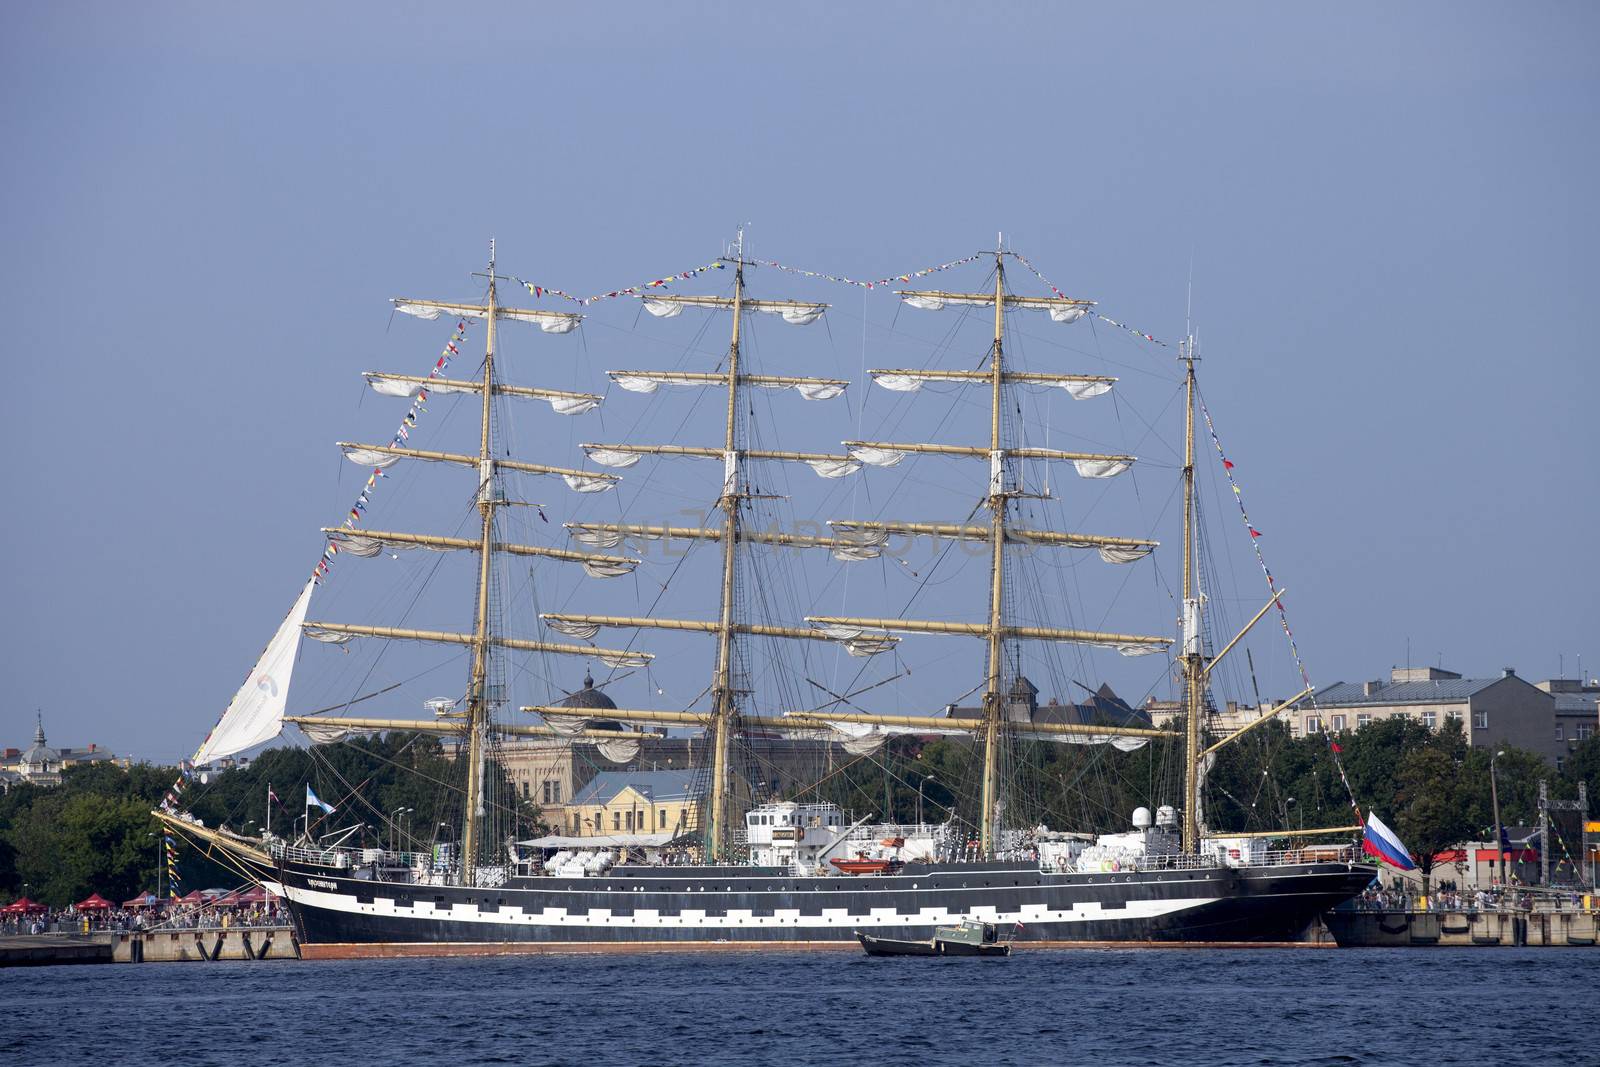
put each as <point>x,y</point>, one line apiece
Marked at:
<point>1576,703</point>
<point>1440,691</point>
<point>656,785</point>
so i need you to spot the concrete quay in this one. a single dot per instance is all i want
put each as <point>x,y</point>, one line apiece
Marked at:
<point>150,946</point>
<point>1402,928</point>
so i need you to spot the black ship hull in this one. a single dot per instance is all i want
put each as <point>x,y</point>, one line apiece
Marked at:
<point>633,908</point>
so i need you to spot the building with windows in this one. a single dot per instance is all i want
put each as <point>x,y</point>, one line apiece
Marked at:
<point>1505,710</point>
<point>1577,712</point>
<point>550,772</point>
<point>1102,708</point>
<point>41,764</point>
<point>637,802</point>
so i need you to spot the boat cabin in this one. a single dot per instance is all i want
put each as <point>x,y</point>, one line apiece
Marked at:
<point>968,932</point>
<point>788,833</point>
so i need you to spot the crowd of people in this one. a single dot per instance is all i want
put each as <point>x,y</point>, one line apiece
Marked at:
<point>168,916</point>
<point>1448,896</point>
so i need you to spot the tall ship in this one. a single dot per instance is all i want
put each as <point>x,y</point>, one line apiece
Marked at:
<point>751,857</point>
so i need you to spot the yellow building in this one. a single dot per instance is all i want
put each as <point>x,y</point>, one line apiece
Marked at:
<point>637,802</point>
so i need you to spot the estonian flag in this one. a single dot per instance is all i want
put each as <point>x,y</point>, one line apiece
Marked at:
<point>1380,841</point>
<point>313,800</point>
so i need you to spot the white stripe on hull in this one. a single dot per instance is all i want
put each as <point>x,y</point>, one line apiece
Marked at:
<point>788,918</point>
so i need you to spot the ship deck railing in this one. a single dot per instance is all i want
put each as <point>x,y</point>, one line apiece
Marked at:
<point>1181,861</point>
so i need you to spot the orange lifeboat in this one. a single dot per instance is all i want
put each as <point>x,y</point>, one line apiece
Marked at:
<point>862,865</point>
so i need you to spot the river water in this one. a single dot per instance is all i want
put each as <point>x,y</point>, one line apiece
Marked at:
<point>1199,1007</point>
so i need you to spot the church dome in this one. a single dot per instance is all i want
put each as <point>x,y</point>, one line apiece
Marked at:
<point>589,698</point>
<point>42,755</point>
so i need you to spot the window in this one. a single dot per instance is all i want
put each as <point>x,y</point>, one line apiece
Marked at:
<point>1561,764</point>
<point>1313,724</point>
<point>1338,723</point>
<point>524,789</point>
<point>1585,731</point>
<point>1452,716</point>
<point>1560,733</point>
<point>1363,719</point>
<point>1430,719</point>
<point>661,816</point>
<point>1480,720</point>
<point>630,821</point>
<point>577,824</point>
<point>616,820</point>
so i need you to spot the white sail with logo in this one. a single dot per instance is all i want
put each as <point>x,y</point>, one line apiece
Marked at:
<point>255,715</point>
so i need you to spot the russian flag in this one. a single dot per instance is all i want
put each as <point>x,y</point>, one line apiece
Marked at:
<point>1380,841</point>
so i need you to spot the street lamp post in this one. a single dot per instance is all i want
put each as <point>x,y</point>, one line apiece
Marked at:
<point>925,780</point>
<point>393,815</point>
<point>1499,834</point>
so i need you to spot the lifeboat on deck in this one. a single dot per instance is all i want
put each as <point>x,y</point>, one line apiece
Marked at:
<point>863,865</point>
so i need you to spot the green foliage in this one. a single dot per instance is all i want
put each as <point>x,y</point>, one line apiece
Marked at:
<point>1431,804</point>
<point>1583,765</point>
<point>95,833</point>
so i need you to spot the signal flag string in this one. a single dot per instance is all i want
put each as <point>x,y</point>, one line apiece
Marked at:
<point>1334,748</point>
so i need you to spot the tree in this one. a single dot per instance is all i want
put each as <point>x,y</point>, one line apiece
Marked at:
<point>1431,805</point>
<point>1583,765</point>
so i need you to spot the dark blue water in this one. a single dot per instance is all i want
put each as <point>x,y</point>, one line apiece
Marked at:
<point>1191,1006</point>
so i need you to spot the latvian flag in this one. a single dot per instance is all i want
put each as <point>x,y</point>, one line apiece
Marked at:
<point>1380,841</point>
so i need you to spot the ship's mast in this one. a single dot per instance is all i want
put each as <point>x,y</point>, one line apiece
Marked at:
<point>477,705</point>
<point>863,636</point>
<point>724,706</point>
<point>994,696</point>
<point>1193,658</point>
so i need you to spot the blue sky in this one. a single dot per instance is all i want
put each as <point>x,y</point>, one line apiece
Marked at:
<point>1388,215</point>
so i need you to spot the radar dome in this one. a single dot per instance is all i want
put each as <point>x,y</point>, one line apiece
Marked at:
<point>1141,818</point>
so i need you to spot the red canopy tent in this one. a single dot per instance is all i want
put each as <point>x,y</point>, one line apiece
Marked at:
<point>23,906</point>
<point>194,896</point>
<point>253,895</point>
<point>143,900</point>
<point>95,902</point>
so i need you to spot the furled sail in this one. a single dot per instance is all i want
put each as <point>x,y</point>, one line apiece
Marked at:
<point>834,468</point>
<point>1122,744</point>
<point>1077,386</point>
<point>586,631</point>
<point>408,385</point>
<point>614,457</point>
<point>640,383</point>
<point>1100,468</point>
<point>368,457</point>
<point>622,750</point>
<point>328,734</point>
<point>878,457</point>
<point>1061,309</point>
<point>818,390</point>
<point>548,321</point>
<point>573,405</point>
<point>581,483</point>
<point>791,311</point>
<point>596,568</point>
<point>255,715</point>
<point>858,642</point>
<point>649,381</point>
<point>623,659</point>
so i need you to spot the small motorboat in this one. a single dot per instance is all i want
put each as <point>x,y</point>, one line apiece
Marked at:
<point>966,938</point>
<point>863,864</point>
